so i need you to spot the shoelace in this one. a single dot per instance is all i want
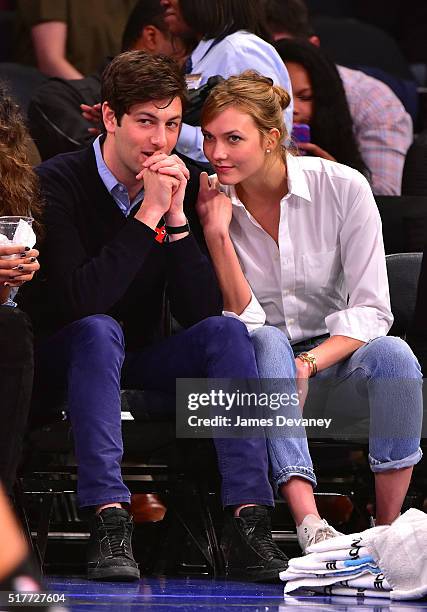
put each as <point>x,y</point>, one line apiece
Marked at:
<point>321,534</point>
<point>118,536</point>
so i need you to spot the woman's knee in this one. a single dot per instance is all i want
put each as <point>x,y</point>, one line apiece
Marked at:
<point>391,357</point>
<point>274,354</point>
<point>270,336</point>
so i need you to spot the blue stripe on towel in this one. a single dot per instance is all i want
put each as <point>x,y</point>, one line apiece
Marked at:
<point>361,561</point>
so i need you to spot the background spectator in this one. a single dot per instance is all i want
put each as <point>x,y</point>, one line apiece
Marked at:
<point>69,38</point>
<point>405,21</point>
<point>320,102</point>
<point>382,128</point>
<point>146,30</point>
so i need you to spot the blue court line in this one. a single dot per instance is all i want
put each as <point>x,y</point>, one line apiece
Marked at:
<point>148,597</point>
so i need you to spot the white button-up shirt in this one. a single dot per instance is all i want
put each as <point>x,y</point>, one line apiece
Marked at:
<point>328,274</point>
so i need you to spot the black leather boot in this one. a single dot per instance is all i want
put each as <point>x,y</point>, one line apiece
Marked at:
<point>248,547</point>
<point>110,555</point>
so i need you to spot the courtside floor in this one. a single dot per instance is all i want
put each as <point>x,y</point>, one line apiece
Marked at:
<point>164,594</point>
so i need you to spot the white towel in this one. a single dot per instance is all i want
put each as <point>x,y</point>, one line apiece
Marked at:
<point>401,553</point>
<point>361,580</point>
<point>349,592</point>
<point>346,554</point>
<point>310,564</point>
<point>377,582</point>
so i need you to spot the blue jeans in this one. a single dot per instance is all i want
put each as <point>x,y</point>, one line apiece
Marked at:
<point>399,406</point>
<point>88,358</point>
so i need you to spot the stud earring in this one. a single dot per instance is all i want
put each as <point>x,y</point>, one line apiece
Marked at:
<point>268,151</point>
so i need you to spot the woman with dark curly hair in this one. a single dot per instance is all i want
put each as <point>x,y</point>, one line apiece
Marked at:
<point>19,190</point>
<point>320,102</point>
<point>19,196</point>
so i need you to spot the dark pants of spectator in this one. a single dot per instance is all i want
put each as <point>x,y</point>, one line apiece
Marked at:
<point>16,381</point>
<point>88,358</point>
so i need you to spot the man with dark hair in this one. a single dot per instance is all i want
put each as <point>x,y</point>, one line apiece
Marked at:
<point>382,127</point>
<point>98,309</point>
<point>146,30</point>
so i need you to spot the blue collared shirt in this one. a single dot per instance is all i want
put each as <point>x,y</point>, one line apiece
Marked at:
<point>117,190</point>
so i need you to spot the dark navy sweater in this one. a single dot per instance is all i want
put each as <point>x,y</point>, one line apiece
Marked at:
<point>94,260</point>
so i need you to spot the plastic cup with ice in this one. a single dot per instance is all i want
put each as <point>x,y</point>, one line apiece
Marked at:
<point>16,230</point>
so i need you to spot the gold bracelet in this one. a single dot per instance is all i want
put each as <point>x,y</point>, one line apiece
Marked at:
<point>311,360</point>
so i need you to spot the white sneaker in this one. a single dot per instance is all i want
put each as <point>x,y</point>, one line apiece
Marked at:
<point>314,529</point>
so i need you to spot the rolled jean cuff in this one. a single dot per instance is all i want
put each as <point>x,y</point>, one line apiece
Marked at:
<point>293,470</point>
<point>378,466</point>
<point>100,501</point>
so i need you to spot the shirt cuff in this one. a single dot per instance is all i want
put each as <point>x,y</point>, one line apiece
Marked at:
<point>361,323</point>
<point>253,316</point>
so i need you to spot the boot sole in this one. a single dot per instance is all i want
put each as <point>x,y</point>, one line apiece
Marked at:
<point>116,574</point>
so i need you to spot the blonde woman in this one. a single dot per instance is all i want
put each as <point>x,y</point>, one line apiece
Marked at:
<point>297,247</point>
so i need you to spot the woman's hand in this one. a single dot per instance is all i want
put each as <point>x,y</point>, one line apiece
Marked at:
<point>315,150</point>
<point>19,270</point>
<point>214,208</point>
<point>302,375</point>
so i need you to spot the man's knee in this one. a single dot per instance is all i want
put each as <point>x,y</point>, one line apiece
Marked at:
<point>226,328</point>
<point>98,332</point>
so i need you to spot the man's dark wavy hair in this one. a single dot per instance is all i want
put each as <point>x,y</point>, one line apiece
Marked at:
<point>135,77</point>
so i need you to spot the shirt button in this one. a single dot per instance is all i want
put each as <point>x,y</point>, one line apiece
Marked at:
<point>290,321</point>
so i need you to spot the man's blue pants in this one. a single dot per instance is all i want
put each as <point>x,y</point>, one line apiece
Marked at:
<point>88,359</point>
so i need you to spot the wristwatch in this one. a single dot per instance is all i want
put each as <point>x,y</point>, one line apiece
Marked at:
<point>311,360</point>
<point>180,229</point>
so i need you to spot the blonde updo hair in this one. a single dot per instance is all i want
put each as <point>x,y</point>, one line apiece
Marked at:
<point>254,94</point>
